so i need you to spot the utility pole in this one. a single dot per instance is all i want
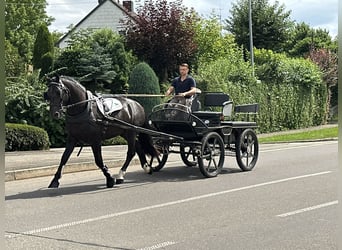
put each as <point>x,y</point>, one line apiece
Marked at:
<point>251,35</point>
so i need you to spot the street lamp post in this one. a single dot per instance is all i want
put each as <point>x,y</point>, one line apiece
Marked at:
<point>251,35</point>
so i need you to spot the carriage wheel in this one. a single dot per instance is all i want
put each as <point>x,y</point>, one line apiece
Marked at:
<point>247,150</point>
<point>212,155</point>
<point>159,162</point>
<point>188,155</point>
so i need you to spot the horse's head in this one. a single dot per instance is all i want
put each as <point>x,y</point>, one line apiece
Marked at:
<point>58,95</point>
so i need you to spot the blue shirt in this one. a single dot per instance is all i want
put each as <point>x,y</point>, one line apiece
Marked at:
<point>183,86</point>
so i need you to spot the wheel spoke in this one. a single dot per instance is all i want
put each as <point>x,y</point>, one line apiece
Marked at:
<point>215,163</point>
<point>209,163</point>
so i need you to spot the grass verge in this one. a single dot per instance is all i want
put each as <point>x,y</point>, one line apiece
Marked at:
<point>325,133</point>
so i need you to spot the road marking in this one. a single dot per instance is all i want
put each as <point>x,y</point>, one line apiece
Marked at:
<point>295,147</point>
<point>160,245</point>
<point>108,216</point>
<point>308,209</point>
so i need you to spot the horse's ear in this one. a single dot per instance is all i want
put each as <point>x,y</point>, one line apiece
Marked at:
<point>57,77</point>
<point>48,79</point>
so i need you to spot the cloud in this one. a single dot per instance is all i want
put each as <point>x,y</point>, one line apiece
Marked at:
<point>316,13</point>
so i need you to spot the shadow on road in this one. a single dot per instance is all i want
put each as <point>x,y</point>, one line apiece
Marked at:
<point>132,180</point>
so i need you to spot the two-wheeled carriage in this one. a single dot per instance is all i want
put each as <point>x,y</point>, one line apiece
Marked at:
<point>205,137</point>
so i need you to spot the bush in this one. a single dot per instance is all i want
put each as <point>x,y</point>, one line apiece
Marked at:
<point>143,80</point>
<point>20,137</point>
<point>115,141</point>
<point>24,104</point>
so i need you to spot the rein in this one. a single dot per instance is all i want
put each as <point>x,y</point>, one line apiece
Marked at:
<point>111,95</point>
<point>77,103</point>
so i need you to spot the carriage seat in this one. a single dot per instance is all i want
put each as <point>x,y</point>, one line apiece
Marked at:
<point>211,100</point>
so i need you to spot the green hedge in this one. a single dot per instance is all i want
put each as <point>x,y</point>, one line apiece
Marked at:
<point>20,137</point>
<point>114,141</point>
<point>290,92</point>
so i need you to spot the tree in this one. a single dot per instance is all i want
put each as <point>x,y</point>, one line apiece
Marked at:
<point>13,62</point>
<point>22,20</point>
<point>271,24</point>
<point>143,80</point>
<point>95,68</point>
<point>43,50</point>
<point>162,35</point>
<point>211,43</point>
<point>98,59</point>
<point>304,38</point>
<point>327,62</point>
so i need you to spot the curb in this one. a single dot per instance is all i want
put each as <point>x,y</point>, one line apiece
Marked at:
<point>14,175</point>
<point>299,141</point>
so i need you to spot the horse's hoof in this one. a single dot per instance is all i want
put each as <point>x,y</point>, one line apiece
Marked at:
<point>119,181</point>
<point>54,184</point>
<point>110,182</point>
<point>148,169</point>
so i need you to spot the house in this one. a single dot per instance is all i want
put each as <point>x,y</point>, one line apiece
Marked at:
<point>107,14</point>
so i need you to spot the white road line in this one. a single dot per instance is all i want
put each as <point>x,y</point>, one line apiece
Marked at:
<point>160,245</point>
<point>104,217</point>
<point>308,209</point>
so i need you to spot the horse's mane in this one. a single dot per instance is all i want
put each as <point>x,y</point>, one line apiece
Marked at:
<point>74,81</point>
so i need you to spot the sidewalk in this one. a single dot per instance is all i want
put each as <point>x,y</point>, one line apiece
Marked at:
<point>28,164</point>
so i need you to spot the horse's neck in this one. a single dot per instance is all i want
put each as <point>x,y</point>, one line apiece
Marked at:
<point>77,94</point>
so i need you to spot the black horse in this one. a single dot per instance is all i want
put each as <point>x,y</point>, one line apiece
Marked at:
<point>86,123</point>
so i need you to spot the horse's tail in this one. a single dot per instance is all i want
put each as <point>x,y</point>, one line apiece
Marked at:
<point>147,144</point>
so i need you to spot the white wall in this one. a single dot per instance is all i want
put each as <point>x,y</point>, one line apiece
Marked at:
<point>106,16</point>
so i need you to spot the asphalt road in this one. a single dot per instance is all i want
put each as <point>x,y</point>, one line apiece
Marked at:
<point>289,201</point>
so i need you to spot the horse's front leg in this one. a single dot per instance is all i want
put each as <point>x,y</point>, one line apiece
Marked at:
<point>99,162</point>
<point>65,157</point>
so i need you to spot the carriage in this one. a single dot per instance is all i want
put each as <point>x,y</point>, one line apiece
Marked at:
<point>204,137</point>
<point>201,136</point>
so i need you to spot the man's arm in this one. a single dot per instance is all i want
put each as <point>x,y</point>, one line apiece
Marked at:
<point>169,91</point>
<point>191,92</point>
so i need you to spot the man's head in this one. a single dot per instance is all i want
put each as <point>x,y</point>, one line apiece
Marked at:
<point>183,69</point>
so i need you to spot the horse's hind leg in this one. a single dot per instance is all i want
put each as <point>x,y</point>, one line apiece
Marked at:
<point>130,138</point>
<point>142,157</point>
<point>65,157</point>
<point>99,162</point>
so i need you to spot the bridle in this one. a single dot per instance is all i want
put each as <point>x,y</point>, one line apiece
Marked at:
<point>64,93</point>
<point>65,96</point>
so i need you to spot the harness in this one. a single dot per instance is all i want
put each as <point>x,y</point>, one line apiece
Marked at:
<point>106,106</point>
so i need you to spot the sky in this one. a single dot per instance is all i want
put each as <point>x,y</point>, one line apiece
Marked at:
<point>316,13</point>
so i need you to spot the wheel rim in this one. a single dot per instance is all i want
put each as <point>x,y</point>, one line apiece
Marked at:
<point>212,159</point>
<point>157,163</point>
<point>247,150</point>
<point>188,156</point>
